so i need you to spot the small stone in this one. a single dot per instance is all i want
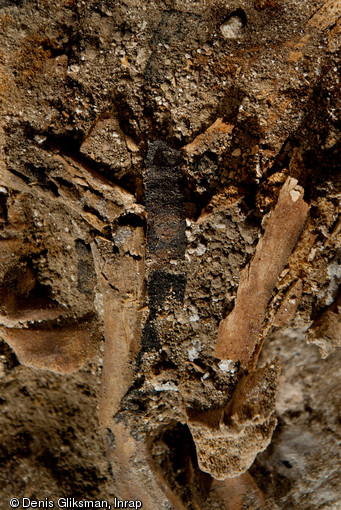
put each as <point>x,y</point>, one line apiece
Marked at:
<point>232,28</point>
<point>226,365</point>
<point>295,195</point>
<point>194,350</point>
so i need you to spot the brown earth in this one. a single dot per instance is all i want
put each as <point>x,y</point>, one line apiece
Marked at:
<point>155,158</point>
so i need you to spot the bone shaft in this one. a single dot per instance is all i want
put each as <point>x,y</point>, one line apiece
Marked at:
<point>239,334</point>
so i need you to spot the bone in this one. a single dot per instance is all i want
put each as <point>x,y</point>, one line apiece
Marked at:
<point>119,266</point>
<point>239,335</point>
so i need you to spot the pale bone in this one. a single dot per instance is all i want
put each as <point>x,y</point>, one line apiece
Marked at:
<point>228,438</point>
<point>94,189</point>
<point>239,334</point>
<point>61,350</point>
<point>205,139</point>
<point>121,280</point>
<point>137,475</point>
<point>289,304</point>
<point>326,16</point>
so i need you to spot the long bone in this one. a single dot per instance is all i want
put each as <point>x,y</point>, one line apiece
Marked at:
<point>229,437</point>
<point>239,333</point>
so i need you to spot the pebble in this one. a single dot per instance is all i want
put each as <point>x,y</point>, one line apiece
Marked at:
<point>232,28</point>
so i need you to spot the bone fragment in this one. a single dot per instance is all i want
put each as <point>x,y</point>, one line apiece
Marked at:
<point>218,129</point>
<point>228,438</point>
<point>137,476</point>
<point>239,334</point>
<point>120,271</point>
<point>62,350</point>
<point>289,304</point>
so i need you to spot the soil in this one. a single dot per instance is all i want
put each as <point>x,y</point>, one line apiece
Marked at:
<point>144,147</point>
